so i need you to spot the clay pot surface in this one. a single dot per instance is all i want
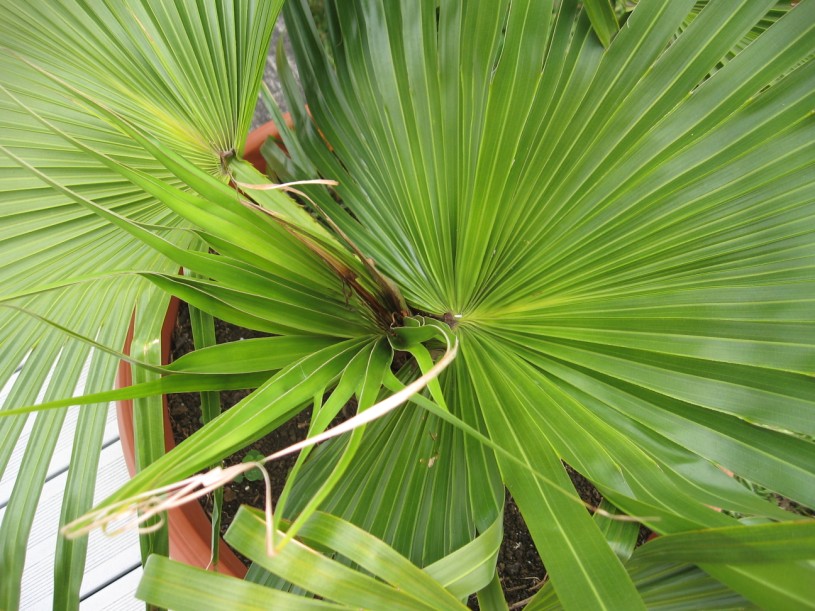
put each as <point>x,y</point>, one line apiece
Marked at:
<point>189,526</point>
<point>190,529</point>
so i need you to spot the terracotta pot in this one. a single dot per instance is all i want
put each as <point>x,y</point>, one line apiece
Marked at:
<point>257,137</point>
<point>189,526</point>
<point>190,529</point>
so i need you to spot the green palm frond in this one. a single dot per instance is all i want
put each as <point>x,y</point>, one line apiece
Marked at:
<point>624,240</point>
<point>154,63</point>
<point>613,228</point>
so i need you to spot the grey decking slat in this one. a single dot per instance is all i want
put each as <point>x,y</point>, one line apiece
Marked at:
<point>62,452</point>
<point>107,556</point>
<point>117,595</point>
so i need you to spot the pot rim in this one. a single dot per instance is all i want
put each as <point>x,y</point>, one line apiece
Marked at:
<point>190,530</point>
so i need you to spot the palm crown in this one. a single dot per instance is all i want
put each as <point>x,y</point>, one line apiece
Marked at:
<point>606,249</point>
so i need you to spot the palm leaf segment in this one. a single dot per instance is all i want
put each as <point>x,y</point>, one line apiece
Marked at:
<point>624,244</point>
<point>621,244</point>
<point>155,63</point>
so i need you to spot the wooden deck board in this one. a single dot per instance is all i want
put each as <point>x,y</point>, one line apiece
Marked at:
<point>117,595</point>
<point>62,452</point>
<point>108,557</point>
<point>113,564</point>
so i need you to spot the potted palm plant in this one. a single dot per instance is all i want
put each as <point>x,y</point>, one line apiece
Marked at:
<point>589,229</point>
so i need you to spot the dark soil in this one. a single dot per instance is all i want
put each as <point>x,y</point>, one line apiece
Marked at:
<point>519,565</point>
<point>185,416</point>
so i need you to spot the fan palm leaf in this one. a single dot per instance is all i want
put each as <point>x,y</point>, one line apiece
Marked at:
<point>154,63</point>
<point>613,228</point>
